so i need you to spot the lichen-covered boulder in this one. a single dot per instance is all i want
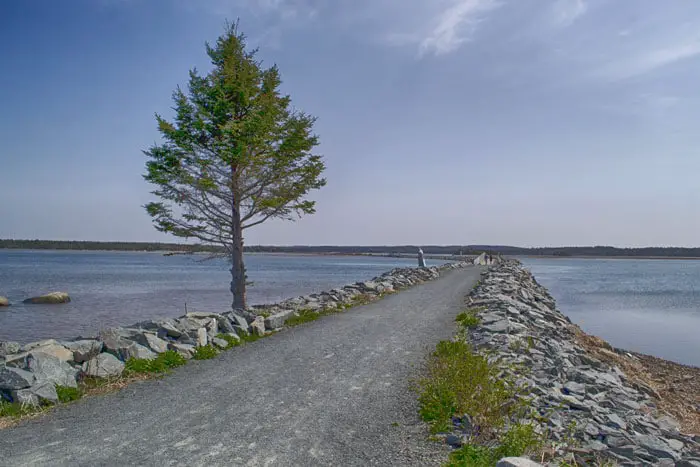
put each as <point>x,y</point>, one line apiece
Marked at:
<point>49,298</point>
<point>9,348</point>
<point>103,366</point>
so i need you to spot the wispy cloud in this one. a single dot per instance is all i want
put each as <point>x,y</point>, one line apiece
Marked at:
<point>454,26</point>
<point>564,13</point>
<point>648,60</point>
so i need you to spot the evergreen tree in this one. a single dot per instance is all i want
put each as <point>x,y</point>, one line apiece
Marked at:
<point>235,155</point>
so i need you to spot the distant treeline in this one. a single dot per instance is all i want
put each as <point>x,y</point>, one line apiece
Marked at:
<point>115,246</point>
<point>598,251</point>
<point>592,251</point>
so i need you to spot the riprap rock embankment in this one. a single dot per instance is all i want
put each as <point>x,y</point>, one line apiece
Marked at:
<point>589,409</point>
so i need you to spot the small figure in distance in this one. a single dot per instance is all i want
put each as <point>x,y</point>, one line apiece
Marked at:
<point>421,259</point>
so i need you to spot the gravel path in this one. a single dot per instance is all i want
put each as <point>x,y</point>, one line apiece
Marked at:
<point>332,392</point>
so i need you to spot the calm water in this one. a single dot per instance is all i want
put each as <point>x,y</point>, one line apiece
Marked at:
<point>649,306</point>
<point>121,288</point>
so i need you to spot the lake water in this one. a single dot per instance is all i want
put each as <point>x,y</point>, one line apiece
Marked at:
<point>121,288</point>
<point>648,306</point>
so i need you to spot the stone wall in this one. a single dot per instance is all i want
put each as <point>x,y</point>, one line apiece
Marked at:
<point>30,373</point>
<point>589,409</point>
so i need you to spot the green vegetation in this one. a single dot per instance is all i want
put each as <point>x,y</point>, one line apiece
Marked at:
<point>159,365</point>
<point>236,155</point>
<point>15,409</point>
<point>250,337</point>
<point>205,352</point>
<point>520,439</point>
<point>469,318</point>
<point>460,382</point>
<point>231,341</point>
<point>301,317</point>
<point>67,394</point>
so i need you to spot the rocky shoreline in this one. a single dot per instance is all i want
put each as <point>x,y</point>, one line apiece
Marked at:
<point>30,374</point>
<point>590,401</point>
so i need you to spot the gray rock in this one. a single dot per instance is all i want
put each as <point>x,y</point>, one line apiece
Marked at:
<point>84,350</point>
<point>169,330</point>
<point>55,350</point>
<point>25,397</point>
<point>225,325</point>
<point>574,387</point>
<point>16,360</point>
<point>46,367</point>
<point>117,340</point>
<point>498,326</point>
<point>135,350</point>
<point>155,343</point>
<point>454,441</point>
<point>592,430</point>
<point>239,323</point>
<point>277,320</point>
<point>220,343</point>
<point>517,462</point>
<point>35,395</point>
<point>104,365</point>
<point>669,424</point>
<point>186,350</point>
<point>34,345</point>
<point>9,348</point>
<point>49,298</point>
<point>616,421</point>
<point>12,379</point>
<point>656,447</point>
<point>675,444</point>
<point>258,326</point>
<point>690,462</point>
<point>201,337</point>
<point>201,315</point>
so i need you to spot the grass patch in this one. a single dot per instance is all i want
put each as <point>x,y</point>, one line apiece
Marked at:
<point>458,382</point>
<point>205,352</point>
<point>230,340</point>
<point>15,409</point>
<point>301,317</point>
<point>163,363</point>
<point>68,394</point>
<point>519,440</point>
<point>250,337</point>
<point>469,318</point>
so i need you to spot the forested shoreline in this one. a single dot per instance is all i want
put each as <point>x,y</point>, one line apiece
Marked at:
<point>594,251</point>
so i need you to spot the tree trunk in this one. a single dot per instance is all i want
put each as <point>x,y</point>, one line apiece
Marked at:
<point>238,278</point>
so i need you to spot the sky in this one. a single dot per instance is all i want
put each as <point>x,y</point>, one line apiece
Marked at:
<point>520,122</point>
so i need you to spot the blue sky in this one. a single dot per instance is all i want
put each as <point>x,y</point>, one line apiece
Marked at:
<point>526,122</point>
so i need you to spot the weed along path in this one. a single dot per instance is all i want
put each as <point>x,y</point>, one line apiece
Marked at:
<point>333,392</point>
